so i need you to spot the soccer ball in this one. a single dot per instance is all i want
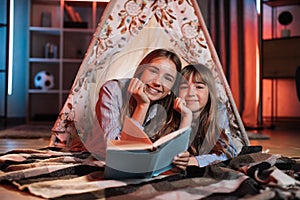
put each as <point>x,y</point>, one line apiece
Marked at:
<point>44,80</point>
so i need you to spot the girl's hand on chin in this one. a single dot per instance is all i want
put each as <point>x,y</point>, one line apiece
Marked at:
<point>180,106</point>
<point>137,89</point>
<point>186,113</point>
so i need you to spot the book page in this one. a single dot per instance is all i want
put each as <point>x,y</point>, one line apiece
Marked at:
<point>133,138</point>
<point>169,137</point>
<point>128,145</point>
<point>131,132</point>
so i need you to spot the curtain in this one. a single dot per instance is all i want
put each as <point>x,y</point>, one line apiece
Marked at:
<point>233,25</point>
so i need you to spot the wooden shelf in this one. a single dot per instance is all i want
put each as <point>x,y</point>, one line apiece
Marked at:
<point>281,57</point>
<point>46,30</point>
<point>276,3</point>
<point>38,91</point>
<point>44,60</point>
<point>71,42</point>
<point>69,60</point>
<point>79,30</point>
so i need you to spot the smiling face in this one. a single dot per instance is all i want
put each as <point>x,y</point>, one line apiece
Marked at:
<point>195,92</point>
<point>159,77</point>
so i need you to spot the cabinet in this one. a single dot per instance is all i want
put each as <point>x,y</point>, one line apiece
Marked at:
<point>57,45</point>
<point>3,60</point>
<point>280,58</point>
<point>279,52</point>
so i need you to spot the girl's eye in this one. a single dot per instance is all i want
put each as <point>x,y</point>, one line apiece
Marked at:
<point>169,78</point>
<point>183,87</point>
<point>153,70</point>
<point>200,86</point>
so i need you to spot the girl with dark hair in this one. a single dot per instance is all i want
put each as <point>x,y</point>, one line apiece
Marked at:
<point>147,99</point>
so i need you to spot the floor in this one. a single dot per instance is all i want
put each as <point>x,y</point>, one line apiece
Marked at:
<point>284,140</point>
<point>10,144</point>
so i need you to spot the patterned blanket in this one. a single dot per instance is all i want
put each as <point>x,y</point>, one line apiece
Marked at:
<point>52,174</point>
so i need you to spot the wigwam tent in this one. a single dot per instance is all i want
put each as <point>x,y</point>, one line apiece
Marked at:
<point>128,30</point>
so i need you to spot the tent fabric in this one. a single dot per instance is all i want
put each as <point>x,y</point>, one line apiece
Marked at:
<point>128,30</point>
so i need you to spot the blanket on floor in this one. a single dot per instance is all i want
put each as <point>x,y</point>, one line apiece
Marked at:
<point>53,174</point>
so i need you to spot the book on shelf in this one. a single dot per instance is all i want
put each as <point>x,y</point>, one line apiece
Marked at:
<point>75,20</point>
<point>78,17</point>
<point>72,14</point>
<point>136,156</point>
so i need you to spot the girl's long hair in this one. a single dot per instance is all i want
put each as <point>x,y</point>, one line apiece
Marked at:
<point>161,124</point>
<point>205,138</point>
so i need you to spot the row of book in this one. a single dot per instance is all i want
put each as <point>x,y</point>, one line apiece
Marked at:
<point>73,15</point>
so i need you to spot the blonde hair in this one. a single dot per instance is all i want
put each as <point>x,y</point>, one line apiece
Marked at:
<point>205,139</point>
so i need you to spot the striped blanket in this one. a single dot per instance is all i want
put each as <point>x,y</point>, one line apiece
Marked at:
<point>52,174</point>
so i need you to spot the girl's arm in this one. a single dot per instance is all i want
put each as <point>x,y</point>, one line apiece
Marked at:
<point>206,159</point>
<point>108,110</point>
<point>136,89</point>
<point>181,161</point>
<point>186,113</point>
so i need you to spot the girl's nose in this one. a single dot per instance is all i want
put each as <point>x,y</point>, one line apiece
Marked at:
<point>191,90</point>
<point>158,80</point>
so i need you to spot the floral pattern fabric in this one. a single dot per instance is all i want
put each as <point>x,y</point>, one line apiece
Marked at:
<point>123,20</point>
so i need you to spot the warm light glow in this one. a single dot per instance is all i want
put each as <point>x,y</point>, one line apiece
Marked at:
<point>10,47</point>
<point>257,75</point>
<point>258,6</point>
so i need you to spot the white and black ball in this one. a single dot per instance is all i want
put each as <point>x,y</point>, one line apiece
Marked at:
<point>44,80</point>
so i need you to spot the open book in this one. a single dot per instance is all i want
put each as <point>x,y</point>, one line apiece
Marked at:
<point>135,156</point>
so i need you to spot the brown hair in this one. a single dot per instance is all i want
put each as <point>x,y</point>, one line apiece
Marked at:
<point>165,105</point>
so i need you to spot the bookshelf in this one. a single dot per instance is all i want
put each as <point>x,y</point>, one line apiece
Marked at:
<point>57,45</point>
